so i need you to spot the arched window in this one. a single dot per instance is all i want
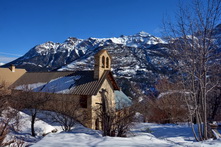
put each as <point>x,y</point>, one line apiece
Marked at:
<point>107,62</point>
<point>103,62</point>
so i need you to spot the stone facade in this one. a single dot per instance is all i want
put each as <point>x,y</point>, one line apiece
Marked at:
<point>102,62</point>
<point>96,100</point>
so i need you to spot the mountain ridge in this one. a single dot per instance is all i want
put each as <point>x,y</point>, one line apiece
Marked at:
<point>138,60</point>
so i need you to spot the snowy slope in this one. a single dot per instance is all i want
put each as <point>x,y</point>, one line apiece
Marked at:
<point>23,134</point>
<point>88,138</point>
<point>141,134</point>
<point>162,136</point>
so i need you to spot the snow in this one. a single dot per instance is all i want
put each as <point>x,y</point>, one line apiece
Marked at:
<point>77,138</point>
<point>127,71</point>
<point>60,85</point>
<point>24,131</point>
<point>162,135</point>
<point>29,86</point>
<point>81,136</point>
<point>143,34</point>
<point>172,92</point>
<point>41,127</point>
<point>141,134</point>
<point>122,100</point>
<point>2,64</point>
<point>134,40</point>
<point>30,63</point>
<point>47,47</point>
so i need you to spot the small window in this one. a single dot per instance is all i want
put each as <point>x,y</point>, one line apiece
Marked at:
<point>83,101</point>
<point>107,62</point>
<point>103,61</point>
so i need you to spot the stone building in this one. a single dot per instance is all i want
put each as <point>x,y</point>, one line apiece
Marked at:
<point>83,87</point>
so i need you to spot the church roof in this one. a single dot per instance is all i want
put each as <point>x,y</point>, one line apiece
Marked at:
<point>78,82</point>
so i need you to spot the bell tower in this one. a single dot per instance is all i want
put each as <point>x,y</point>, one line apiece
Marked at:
<point>102,62</point>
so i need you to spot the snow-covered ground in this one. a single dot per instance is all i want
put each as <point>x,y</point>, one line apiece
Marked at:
<point>159,135</point>
<point>141,134</point>
<point>23,134</point>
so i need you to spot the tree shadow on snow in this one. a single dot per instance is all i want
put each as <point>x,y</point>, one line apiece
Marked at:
<point>170,131</point>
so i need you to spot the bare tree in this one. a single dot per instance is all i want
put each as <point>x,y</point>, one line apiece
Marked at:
<point>114,122</point>
<point>215,104</point>
<point>106,114</point>
<point>170,102</point>
<point>4,94</point>
<point>195,54</point>
<point>3,130</point>
<point>123,119</point>
<point>67,112</point>
<point>4,122</point>
<point>32,101</point>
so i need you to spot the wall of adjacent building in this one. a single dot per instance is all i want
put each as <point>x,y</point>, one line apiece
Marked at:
<point>9,77</point>
<point>58,102</point>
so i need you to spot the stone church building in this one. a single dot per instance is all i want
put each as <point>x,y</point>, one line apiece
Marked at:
<point>82,87</point>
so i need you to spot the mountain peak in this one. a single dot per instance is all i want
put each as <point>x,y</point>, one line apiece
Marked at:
<point>72,38</point>
<point>143,34</point>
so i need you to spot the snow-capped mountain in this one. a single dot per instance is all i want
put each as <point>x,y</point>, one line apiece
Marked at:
<point>50,55</point>
<point>138,61</point>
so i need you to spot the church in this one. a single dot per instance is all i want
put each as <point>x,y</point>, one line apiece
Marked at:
<point>83,87</point>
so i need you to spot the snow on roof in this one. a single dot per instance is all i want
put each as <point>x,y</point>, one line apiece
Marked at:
<point>78,83</point>
<point>58,85</point>
<point>122,100</point>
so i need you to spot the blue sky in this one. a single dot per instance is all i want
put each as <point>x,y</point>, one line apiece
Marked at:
<point>26,23</point>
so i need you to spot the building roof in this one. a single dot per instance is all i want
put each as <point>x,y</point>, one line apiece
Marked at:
<point>122,101</point>
<point>39,77</point>
<point>78,82</point>
<point>101,52</point>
